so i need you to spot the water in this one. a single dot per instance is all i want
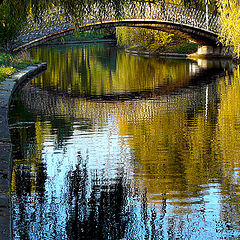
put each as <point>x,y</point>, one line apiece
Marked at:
<point>108,145</point>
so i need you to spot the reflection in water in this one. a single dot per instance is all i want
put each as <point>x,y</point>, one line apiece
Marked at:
<point>161,165</point>
<point>99,71</point>
<point>100,213</point>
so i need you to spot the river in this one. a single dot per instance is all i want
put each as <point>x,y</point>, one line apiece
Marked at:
<point>107,145</point>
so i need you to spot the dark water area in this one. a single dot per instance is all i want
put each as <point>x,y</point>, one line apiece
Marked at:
<point>107,145</point>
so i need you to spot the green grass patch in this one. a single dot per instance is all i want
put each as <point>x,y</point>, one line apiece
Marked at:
<point>6,71</point>
<point>185,48</point>
<point>11,63</point>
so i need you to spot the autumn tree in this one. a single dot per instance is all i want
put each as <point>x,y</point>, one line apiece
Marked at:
<point>144,39</point>
<point>230,22</point>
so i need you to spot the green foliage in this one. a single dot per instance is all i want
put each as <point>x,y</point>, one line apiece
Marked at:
<point>18,61</point>
<point>10,63</point>
<point>6,71</point>
<point>12,16</point>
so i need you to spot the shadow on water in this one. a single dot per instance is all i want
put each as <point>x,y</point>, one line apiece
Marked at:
<point>105,213</point>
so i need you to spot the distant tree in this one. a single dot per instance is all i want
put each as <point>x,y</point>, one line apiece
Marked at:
<point>145,39</point>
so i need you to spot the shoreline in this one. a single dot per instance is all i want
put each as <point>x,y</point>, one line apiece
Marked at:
<point>154,54</point>
<point>190,56</point>
<point>81,42</point>
<point>8,88</point>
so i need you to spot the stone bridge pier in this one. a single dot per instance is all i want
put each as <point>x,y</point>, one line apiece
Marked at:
<point>208,51</point>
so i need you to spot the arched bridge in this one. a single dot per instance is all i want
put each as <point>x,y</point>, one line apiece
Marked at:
<point>199,26</point>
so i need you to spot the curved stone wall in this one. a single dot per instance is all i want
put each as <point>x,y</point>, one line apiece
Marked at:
<point>7,89</point>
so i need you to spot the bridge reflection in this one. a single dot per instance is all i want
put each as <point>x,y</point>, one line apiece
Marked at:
<point>87,83</point>
<point>166,120</point>
<point>162,117</point>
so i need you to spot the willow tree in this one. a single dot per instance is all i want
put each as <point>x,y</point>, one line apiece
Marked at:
<point>230,22</point>
<point>12,17</point>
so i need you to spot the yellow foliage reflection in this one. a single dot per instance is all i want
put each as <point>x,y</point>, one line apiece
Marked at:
<point>228,127</point>
<point>99,71</point>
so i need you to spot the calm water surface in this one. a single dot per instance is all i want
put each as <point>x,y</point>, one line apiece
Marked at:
<point>113,146</point>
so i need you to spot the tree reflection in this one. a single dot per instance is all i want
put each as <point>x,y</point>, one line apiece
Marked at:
<point>106,212</point>
<point>100,71</point>
<point>102,215</point>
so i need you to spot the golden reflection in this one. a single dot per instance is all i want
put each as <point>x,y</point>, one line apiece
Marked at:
<point>33,160</point>
<point>98,71</point>
<point>169,151</point>
<point>228,127</point>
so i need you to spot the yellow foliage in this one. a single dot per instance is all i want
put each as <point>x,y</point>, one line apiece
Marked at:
<point>150,40</point>
<point>230,23</point>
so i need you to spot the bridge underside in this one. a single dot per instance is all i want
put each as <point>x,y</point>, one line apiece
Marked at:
<point>198,35</point>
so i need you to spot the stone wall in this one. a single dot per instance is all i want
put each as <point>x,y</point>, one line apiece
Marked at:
<point>7,89</point>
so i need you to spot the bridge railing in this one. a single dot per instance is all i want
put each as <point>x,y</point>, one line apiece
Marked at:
<point>173,13</point>
<point>56,19</point>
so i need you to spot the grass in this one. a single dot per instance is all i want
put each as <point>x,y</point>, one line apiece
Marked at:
<point>5,72</point>
<point>184,48</point>
<point>9,63</point>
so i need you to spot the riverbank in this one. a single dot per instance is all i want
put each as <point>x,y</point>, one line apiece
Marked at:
<point>154,54</point>
<point>173,51</point>
<point>9,64</point>
<point>174,55</point>
<point>7,88</point>
<point>180,48</point>
<point>81,42</point>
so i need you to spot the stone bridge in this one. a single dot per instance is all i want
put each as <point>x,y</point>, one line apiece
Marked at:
<point>196,25</point>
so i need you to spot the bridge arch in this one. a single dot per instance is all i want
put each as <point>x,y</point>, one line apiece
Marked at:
<point>199,35</point>
<point>190,23</point>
